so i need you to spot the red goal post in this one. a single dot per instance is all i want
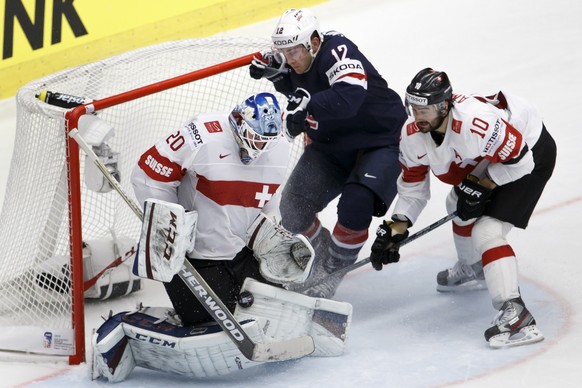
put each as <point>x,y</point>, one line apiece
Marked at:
<point>142,94</point>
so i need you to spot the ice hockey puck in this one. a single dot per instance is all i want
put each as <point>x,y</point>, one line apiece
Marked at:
<point>246,299</point>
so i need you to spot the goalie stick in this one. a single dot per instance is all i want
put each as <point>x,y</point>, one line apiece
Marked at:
<point>274,351</point>
<point>306,286</point>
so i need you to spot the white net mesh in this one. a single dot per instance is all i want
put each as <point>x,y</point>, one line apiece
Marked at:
<point>34,228</point>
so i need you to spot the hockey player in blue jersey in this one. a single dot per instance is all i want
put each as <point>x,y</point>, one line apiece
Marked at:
<point>352,121</point>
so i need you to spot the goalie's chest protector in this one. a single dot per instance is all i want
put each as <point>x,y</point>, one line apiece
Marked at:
<point>228,194</point>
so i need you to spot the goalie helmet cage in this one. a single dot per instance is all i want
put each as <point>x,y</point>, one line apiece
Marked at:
<point>48,210</point>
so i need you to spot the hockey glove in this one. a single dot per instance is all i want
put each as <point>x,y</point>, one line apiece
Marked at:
<point>283,257</point>
<point>267,64</point>
<point>386,246</point>
<point>473,198</point>
<point>295,114</point>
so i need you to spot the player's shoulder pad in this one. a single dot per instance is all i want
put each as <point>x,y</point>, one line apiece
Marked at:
<point>332,33</point>
<point>470,111</point>
<point>349,67</point>
<point>333,39</point>
<point>460,98</point>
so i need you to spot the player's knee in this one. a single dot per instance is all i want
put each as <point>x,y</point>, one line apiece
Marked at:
<point>489,232</point>
<point>356,207</point>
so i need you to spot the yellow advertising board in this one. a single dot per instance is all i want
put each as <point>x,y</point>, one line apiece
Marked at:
<point>40,37</point>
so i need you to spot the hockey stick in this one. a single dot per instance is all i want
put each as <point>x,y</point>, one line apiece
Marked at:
<point>365,261</point>
<point>275,351</point>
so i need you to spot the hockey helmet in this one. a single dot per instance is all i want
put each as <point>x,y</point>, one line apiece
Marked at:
<point>256,122</point>
<point>296,27</point>
<point>429,87</point>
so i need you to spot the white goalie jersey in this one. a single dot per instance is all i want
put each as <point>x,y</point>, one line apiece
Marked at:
<point>199,167</point>
<point>496,132</point>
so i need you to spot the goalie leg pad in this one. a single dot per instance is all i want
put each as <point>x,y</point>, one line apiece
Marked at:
<point>112,356</point>
<point>284,314</point>
<point>157,343</point>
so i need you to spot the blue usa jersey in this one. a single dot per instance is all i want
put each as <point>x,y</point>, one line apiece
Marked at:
<point>351,105</point>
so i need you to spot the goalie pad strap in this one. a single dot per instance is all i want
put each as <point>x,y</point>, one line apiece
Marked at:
<point>148,261</point>
<point>251,243</point>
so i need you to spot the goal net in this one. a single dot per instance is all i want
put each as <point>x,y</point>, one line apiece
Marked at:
<point>41,297</point>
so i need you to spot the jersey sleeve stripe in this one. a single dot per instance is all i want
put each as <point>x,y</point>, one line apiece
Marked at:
<point>159,167</point>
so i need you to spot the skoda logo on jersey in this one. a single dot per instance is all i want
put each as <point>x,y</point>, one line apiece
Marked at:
<point>345,68</point>
<point>416,100</point>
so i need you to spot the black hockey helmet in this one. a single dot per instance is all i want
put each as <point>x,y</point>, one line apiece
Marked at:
<point>429,87</point>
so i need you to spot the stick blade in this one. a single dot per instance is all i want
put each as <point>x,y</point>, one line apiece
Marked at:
<point>284,350</point>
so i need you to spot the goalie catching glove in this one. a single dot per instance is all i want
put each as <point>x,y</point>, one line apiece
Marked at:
<point>167,235</point>
<point>283,257</point>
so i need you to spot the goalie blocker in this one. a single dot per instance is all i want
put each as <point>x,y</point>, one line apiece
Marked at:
<point>153,338</point>
<point>167,235</point>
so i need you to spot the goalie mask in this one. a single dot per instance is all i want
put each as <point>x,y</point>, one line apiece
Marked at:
<point>296,27</point>
<point>256,123</point>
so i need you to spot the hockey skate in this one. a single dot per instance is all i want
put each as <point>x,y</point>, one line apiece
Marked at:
<point>324,264</point>
<point>513,325</point>
<point>320,246</point>
<point>461,278</point>
<point>327,288</point>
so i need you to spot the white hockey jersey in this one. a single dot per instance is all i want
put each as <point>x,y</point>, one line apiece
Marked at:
<point>199,167</point>
<point>496,132</point>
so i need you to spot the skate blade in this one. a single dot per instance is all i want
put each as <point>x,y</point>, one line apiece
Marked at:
<point>527,335</point>
<point>473,285</point>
